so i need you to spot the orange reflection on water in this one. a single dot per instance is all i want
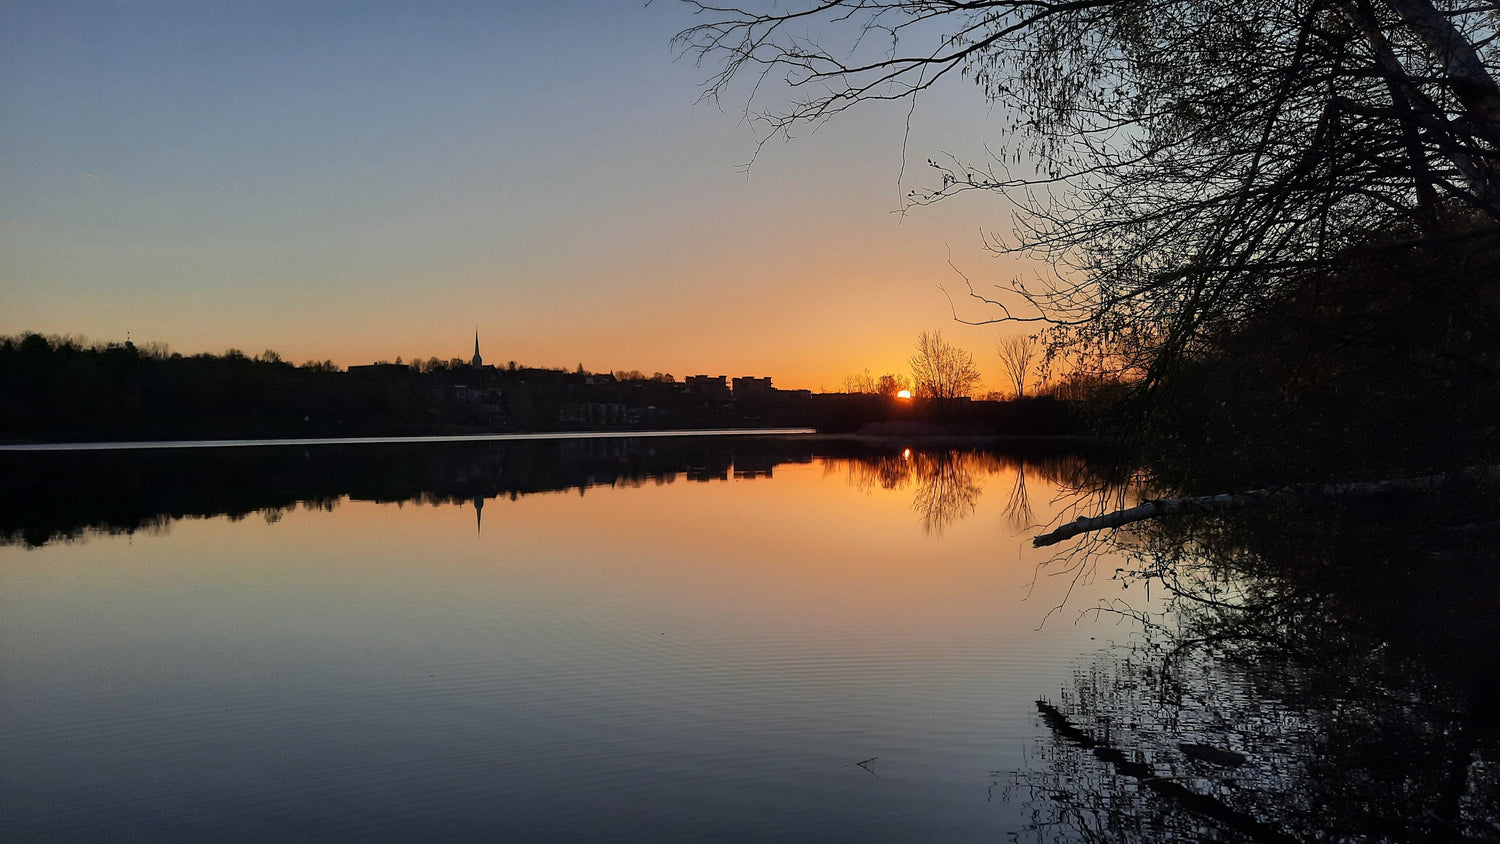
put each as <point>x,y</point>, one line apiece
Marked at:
<point>878,551</point>
<point>897,545</point>
<point>615,651</point>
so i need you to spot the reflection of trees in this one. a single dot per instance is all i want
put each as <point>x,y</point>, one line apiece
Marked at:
<point>1350,659</point>
<point>52,496</point>
<point>870,473</point>
<point>61,495</point>
<point>946,488</point>
<point>947,482</point>
<point>1018,512</point>
<point>946,485</point>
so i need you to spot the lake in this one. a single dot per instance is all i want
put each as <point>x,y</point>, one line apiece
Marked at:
<point>630,639</point>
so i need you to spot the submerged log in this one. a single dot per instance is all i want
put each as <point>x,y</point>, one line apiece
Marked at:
<point>1239,500</point>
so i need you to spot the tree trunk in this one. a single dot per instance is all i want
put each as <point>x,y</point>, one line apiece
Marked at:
<point>1467,76</point>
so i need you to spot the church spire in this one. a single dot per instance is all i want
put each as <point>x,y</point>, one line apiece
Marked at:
<point>478,361</point>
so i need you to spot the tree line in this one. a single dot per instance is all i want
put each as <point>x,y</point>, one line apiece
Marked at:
<point>62,388</point>
<point>942,370</point>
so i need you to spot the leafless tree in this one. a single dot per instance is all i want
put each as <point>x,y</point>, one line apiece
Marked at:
<point>941,370</point>
<point>1181,164</point>
<point>891,384</point>
<point>1016,355</point>
<point>859,382</point>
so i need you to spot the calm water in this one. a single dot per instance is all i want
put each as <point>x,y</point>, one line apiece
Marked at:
<point>156,445</point>
<point>588,644</point>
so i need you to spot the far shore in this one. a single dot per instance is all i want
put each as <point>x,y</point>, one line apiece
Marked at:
<point>908,434</point>
<point>939,439</point>
<point>136,445</point>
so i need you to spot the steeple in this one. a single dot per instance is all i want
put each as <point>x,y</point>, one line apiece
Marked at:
<point>478,361</point>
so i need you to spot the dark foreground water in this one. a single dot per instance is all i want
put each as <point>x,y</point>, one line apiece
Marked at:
<point>569,642</point>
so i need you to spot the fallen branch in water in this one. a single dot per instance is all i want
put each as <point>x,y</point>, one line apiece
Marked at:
<point>1240,500</point>
<point>1203,804</point>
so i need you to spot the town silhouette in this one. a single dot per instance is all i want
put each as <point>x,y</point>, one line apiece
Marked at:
<point>59,390</point>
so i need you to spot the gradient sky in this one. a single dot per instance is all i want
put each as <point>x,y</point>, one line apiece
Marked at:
<point>362,180</point>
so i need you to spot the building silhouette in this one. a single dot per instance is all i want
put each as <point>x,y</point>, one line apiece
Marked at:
<point>754,389</point>
<point>708,386</point>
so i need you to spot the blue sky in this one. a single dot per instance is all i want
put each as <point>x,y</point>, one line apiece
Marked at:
<point>359,181</point>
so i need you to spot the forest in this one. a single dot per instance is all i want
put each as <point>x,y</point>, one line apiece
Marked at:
<point>60,389</point>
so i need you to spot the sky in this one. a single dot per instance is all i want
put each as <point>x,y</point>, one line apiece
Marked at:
<point>358,181</point>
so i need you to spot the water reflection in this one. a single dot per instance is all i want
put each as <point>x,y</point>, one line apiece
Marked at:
<point>1286,675</point>
<point>1018,510</point>
<point>635,657</point>
<point>1313,676</point>
<point>54,496</point>
<point>945,483</point>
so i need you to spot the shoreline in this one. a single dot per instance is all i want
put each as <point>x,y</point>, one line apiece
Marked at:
<point>938,439</point>
<point>146,445</point>
<point>928,438</point>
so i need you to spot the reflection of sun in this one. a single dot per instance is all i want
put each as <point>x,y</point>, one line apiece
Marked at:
<point>904,394</point>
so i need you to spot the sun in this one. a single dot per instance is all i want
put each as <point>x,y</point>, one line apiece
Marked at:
<point>903,394</point>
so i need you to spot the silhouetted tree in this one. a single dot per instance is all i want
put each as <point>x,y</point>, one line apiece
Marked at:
<point>860,382</point>
<point>60,389</point>
<point>891,384</point>
<point>1016,354</point>
<point>1180,164</point>
<point>941,370</point>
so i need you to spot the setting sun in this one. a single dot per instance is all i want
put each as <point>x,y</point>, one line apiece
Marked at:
<point>904,394</point>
